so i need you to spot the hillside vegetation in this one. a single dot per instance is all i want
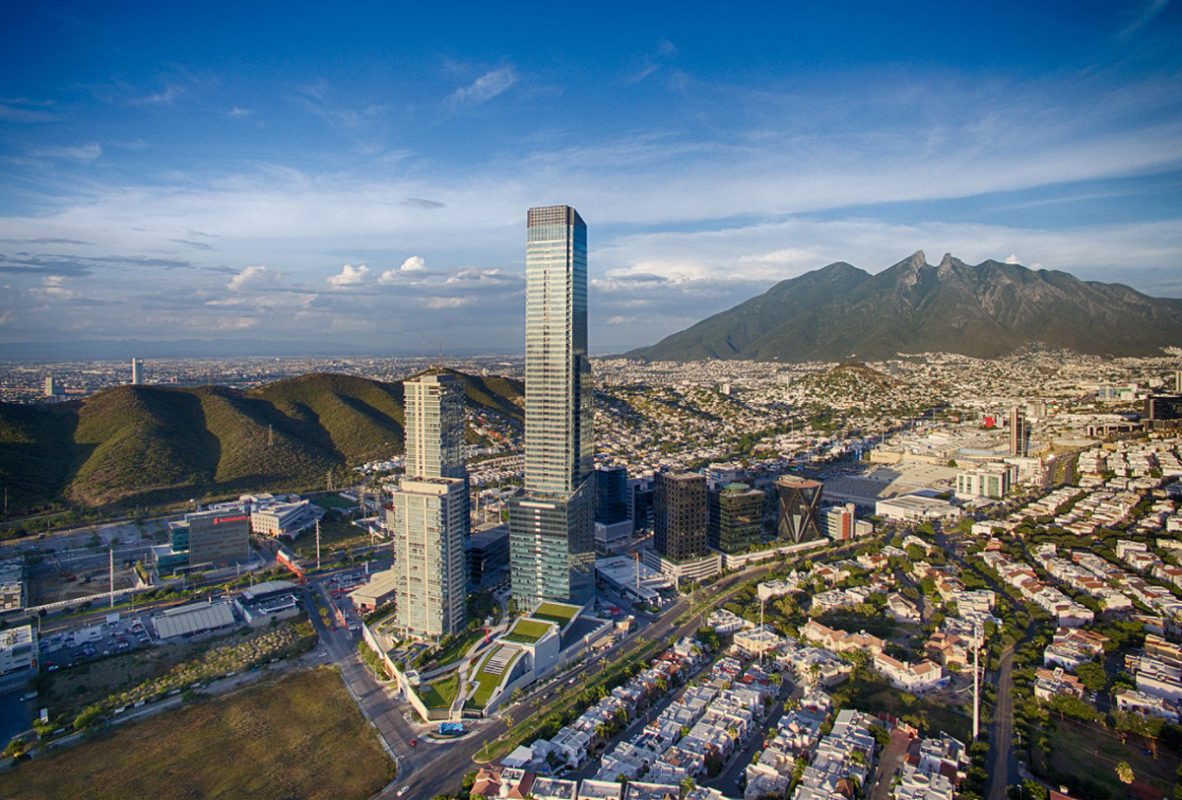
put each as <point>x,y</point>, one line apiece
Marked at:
<point>144,445</point>
<point>984,310</point>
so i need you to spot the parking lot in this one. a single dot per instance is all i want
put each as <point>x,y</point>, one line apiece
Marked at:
<point>67,648</point>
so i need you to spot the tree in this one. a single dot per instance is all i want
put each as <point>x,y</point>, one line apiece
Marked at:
<point>1093,676</point>
<point>1124,773</point>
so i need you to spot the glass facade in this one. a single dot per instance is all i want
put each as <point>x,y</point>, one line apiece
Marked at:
<point>552,531</point>
<point>611,495</point>
<point>679,515</point>
<point>218,538</point>
<point>736,518</point>
<point>798,501</point>
<point>434,404</point>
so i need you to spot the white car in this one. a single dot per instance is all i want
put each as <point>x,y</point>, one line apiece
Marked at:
<point>403,790</point>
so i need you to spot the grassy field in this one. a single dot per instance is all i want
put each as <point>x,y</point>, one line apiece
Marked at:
<point>334,535</point>
<point>1087,755</point>
<point>299,736</point>
<point>333,500</point>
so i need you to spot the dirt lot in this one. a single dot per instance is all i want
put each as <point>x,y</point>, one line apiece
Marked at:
<point>47,586</point>
<point>296,736</point>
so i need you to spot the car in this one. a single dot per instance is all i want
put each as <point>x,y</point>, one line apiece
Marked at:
<point>414,742</point>
<point>403,790</point>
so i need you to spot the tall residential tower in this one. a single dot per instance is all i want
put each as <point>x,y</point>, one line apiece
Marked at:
<point>430,517</point>
<point>551,529</point>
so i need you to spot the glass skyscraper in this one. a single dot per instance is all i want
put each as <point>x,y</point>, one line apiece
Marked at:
<point>552,544</point>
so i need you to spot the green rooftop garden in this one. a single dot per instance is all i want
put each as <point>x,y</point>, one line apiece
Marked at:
<point>527,631</point>
<point>487,682</point>
<point>556,612</point>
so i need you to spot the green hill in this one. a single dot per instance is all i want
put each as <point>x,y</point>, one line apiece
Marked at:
<point>145,445</point>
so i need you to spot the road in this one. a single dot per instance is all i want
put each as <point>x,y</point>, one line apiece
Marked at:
<point>1002,764</point>
<point>728,780</point>
<point>889,764</point>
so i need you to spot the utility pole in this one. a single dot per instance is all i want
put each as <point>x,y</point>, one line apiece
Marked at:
<point>762,603</point>
<point>317,544</point>
<point>976,683</point>
<point>111,573</point>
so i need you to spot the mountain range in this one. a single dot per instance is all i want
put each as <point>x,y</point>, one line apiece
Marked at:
<point>984,310</point>
<point>147,445</point>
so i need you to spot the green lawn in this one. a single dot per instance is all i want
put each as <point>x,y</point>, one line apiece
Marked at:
<point>334,534</point>
<point>527,631</point>
<point>297,736</point>
<point>334,501</point>
<point>553,612</point>
<point>442,693</point>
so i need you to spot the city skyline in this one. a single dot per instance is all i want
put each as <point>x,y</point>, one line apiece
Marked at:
<point>240,178</point>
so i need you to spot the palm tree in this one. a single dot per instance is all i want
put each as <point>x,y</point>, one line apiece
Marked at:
<point>1124,773</point>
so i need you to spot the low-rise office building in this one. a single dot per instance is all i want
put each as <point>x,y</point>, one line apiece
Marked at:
<point>18,649</point>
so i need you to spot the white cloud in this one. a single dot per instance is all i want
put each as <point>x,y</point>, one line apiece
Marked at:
<point>484,88</point>
<point>411,265</point>
<point>349,276</point>
<point>53,288</point>
<point>1012,259</point>
<point>1148,12</point>
<point>449,302</point>
<point>256,277</point>
<point>238,111</point>
<point>84,152</point>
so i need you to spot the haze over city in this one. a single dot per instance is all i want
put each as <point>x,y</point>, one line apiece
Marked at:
<point>355,176</point>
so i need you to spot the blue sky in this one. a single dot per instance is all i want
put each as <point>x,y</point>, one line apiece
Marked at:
<point>359,174</point>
